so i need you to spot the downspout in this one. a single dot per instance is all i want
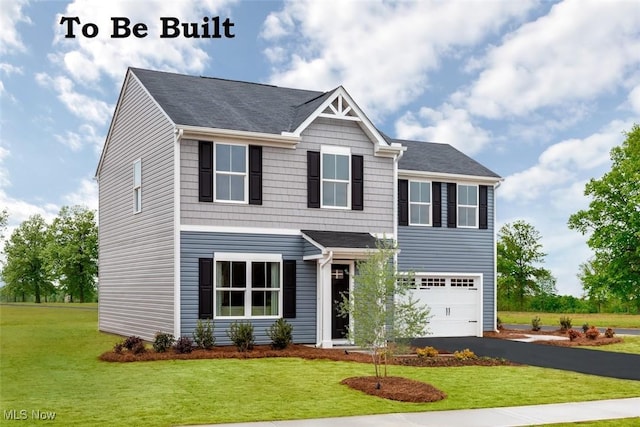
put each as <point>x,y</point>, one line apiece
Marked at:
<point>396,161</point>
<point>495,255</point>
<point>177,300</point>
<point>321,307</point>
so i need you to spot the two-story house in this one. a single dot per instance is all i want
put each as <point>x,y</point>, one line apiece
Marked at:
<point>230,200</point>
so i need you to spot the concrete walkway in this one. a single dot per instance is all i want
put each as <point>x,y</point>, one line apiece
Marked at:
<point>489,417</point>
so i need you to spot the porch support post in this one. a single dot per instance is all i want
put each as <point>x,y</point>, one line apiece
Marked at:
<point>324,303</point>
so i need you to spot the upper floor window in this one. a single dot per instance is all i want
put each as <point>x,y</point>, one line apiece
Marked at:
<point>231,173</point>
<point>467,205</point>
<point>336,177</point>
<point>419,203</point>
<point>137,186</point>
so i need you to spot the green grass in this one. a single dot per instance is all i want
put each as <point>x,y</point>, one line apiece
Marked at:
<point>631,344</point>
<point>605,320</point>
<point>621,422</point>
<point>49,363</point>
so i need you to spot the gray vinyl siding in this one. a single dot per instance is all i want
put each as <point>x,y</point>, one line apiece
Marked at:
<point>136,295</point>
<point>195,245</point>
<point>453,250</point>
<point>284,177</point>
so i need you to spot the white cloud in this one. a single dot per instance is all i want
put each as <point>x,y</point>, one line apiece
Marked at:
<point>448,124</point>
<point>9,69</point>
<point>380,51</point>
<point>579,50</point>
<point>85,195</point>
<point>560,163</point>
<point>86,136</point>
<point>11,15</point>
<point>19,210</point>
<point>634,99</point>
<point>87,59</point>
<point>4,175</point>
<point>79,104</point>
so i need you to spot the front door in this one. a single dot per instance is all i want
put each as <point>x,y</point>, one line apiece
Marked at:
<point>339,288</point>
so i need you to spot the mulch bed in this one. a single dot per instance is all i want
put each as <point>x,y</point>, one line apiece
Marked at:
<point>581,341</point>
<point>301,351</point>
<point>396,388</point>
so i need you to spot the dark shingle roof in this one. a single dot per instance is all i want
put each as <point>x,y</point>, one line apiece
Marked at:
<point>340,239</point>
<point>253,107</point>
<point>229,104</point>
<point>440,158</point>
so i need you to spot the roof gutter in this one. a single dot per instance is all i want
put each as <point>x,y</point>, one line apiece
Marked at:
<point>255,138</point>
<point>449,176</point>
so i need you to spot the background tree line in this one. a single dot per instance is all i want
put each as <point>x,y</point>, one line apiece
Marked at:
<point>54,261</point>
<point>611,279</point>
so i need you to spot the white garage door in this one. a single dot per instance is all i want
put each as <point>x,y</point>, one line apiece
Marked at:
<point>454,303</point>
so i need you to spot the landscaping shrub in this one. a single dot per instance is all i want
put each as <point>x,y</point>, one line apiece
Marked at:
<point>592,333</point>
<point>426,352</point>
<point>499,324</point>
<point>465,354</point>
<point>131,342</point>
<point>183,345</point>
<point>573,334</point>
<point>281,334</point>
<point>119,347</point>
<point>609,333</point>
<point>203,334</point>
<point>535,323</point>
<point>241,334</point>
<point>565,323</point>
<point>162,342</point>
<point>585,327</point>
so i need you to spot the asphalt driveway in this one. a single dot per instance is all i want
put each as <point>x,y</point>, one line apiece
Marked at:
<point>594,362</point>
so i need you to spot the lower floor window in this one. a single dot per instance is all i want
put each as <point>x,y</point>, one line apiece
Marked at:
<point>248,288</point>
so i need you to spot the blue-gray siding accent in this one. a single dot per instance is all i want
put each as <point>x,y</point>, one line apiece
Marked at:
<point>453,250</point>
<point>194,245</point>
<point>309,249</point>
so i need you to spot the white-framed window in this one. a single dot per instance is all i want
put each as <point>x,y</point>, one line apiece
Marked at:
<point>467,206</point>
<point>137,186</point>
<point>248,286</point>
<point>419,203</point>
<point>335,190</point>
<point>231,181</point>
<point>463,282</point>
<point>425,281</point>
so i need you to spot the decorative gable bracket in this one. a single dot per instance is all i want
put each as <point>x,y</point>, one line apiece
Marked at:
<point>339,105</point>
<point>340,109</point>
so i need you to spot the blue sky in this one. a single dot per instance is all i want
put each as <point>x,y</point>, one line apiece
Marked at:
<point>537,91</point>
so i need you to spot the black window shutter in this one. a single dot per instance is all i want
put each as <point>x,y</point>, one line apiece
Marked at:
<point>313,179</point>
<point>289,289</point>
<point>403,202</point>
<point>205,288</point>
<point>452,206</point>
<point>255,175</point>
<point>483,214</point>
<point>357,183</point>
<point>436,189</point>
<point>205,169</point>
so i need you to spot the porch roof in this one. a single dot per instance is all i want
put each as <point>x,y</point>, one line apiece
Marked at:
<point>340,241</point>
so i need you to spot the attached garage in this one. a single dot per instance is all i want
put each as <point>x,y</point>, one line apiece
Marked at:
<point>455,303</point>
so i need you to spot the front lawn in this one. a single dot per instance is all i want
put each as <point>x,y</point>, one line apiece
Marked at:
<point>603,320</point>
<point>630,344</point>
<point>49,362</point>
